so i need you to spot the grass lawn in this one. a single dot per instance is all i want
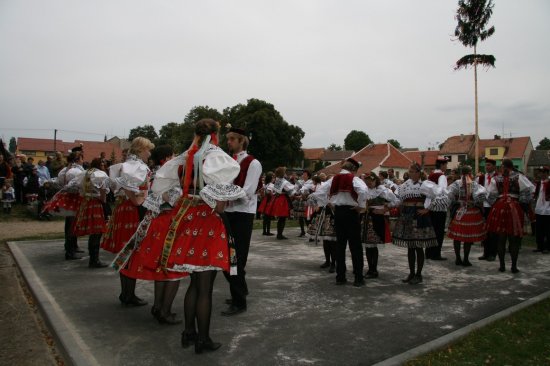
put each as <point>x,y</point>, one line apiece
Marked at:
<point>21,212</point>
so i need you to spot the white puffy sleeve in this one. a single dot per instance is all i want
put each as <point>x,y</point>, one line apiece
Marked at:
<point>132,174</point>
<point>430,189</point>
<point>479,193</point>
<point>526,189</point>
<point>218,171</point>
<point>100,180</point>
<point>389,196</point>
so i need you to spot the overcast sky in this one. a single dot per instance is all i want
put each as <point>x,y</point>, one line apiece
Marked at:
<point>382,67</point>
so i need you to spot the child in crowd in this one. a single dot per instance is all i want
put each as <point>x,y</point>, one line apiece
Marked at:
<point>8,197</point>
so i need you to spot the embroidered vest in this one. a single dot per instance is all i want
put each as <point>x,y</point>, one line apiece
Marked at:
<point>546,189</point>
<point>434,177</point>
<point>343,183</point>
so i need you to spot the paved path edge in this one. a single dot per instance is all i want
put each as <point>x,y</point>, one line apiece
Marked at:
<point>73,349</point>
<point>459,333</point>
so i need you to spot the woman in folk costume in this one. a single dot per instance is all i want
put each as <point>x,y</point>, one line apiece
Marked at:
<point>191,237</point>
<point>93,186</point>
<point>279,206</point>
<point>299,203</point>
<point>413,229</point>
<point>467,225</point>
<point>130,182</point>
<point>510,190</point>
<point>375,225</point>
<point>322,226</point>
<point>66,201</point>
<point>264,203</point>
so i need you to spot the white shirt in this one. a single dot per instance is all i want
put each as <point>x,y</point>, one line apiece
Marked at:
<point>486,203</point>
<point>542,206</point>
<point>74,171</point>
<point>345,198</point>
<point>440,206</point>
<point>248,203</point>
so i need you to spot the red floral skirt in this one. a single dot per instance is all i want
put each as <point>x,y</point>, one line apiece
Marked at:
<point>468,226</point>
<point>200,243</point>
<point>506,217</point>
<point>278,207</point>
<point>121,227</point>
<point>90,218</point>
<point>263,204</point>
<point>63,203</point>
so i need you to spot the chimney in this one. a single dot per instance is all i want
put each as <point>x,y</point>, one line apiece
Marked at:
<point>461,137</point>
<point>497,137</point>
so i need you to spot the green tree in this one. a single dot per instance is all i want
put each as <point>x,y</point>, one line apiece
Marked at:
<point>13,145</point>
<point>356,140</point>
<point>147,131</point>
<point>395,143</point>
<point>544,144</point>
<point>199,112</point>
<point>334,147</point>
<point>273,141</point>
<point>473,18</point>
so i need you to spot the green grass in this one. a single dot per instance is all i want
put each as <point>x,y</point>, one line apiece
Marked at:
<point>20,212</point>
<point>520,339</point>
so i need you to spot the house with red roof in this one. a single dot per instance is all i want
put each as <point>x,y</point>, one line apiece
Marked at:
<point>374,158</point>
<point>518,149</point>
<point>425,158</point>
<point>457,149</point>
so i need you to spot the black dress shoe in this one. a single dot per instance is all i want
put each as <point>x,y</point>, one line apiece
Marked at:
<point>369,275</point>
<point>281,237</point>
<point>341,282</point>
<point>97,264</point>
<point>332,269</point>
<point>359,283</point>
<point>206,345</point>
<point>466,263</point>
<point>188,339</point>
<point>269,234</point>
<point>233,310</point>
<point>302,235</point>
<point>325,265</point>
<point>515,270</point>
<point>415,280</point>
<point>439,259</point>
<point>490,259</point>
<point>459,262</point>
<point>71,257</point>
<point>408,279</point>
<point>133,301</point>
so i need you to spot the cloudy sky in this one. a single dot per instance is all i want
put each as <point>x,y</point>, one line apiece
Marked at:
<point>382,67</point>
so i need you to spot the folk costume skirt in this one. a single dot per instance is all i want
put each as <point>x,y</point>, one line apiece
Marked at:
<point>264,203</point>
<point>299,208</point>
<point>413,230</point>
<point>279,206</point>
<point>90,218</point>
<point>63,204</point>
<point>375,229</point>
<point>322,225</point>
<point>122,225</point>
<point>468,225</point>
<point>188,238</point>
<point>506,217</point>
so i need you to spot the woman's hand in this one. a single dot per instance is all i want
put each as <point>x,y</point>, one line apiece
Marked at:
<point>423,212</point>
<point>220,206</point>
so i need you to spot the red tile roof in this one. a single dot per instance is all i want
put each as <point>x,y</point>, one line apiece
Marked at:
<point>314,154</point>
<point>92,149</point>
<point>430,156</point>
<point>335,155</point>
<point>461,144</point>
<point>374,156</point>
<point>515,146</point>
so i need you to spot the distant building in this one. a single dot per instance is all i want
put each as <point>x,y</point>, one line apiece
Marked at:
<point>537,159</point>
<point>318,158</point>
<point>425,158</point>
<point>518,149</point>
<point>457,149</point>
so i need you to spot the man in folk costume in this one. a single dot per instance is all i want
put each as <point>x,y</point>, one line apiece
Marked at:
<point>348,194</point>
<point>240,214</point>
<point>438,209</point>
<point>489,244</point>
<point>512,191</point>
<point>542,210</point>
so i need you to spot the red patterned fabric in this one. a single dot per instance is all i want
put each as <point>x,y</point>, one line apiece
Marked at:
<point>63,203</point>
<point>121,227</point>
<point>343,183</point>
<point>434,177</point>
<point>468,227</point>
<point>200,240</point>
<point>506,217</point>
<point>278,206</point>
<point>90,218</point>
<point>264,203</point>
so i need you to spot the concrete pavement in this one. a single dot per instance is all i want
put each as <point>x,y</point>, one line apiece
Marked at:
<point>296,314</point>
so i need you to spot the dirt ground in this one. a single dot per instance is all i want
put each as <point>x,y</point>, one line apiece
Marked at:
<point>24,337</point>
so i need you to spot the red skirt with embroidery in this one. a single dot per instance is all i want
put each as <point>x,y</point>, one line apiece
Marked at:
<point>200,243</point>
<point>63,203</point>
<point>263,204</point>
<point>90,218</point>
<point>278,207</point>
<point>122,225</point>
<point>468,226</point>
<point>506,217</point>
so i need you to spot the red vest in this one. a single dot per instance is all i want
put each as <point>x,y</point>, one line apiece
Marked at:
<point>343,183</point>
<point>241,178</point>
<point>546,187</point>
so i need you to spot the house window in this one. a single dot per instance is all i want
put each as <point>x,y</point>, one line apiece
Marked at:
<point>493,151</point>
<point>461,158</point>
<point>448,157</point>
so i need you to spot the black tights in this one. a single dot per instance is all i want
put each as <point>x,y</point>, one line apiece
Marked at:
<point>514,244</point>
<point>415,256</point>
<point>372,259</point>
<point>198,303</point>
<point>281,226</point>
<point>329,247</point>
<point>467,247</point>
<point>165,292</point>
<point>127,287</point>
<point>267,224</point>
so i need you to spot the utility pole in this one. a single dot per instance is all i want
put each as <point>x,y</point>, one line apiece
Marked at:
<point>55,140</point>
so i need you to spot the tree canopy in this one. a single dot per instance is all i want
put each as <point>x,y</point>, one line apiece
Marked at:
<point>13,145</point>
<point>356,140</point>
<point>334,147</point>
<point>395,143</point>
<point>544,144</point>
<point>147,131</point>
<point>273,141</point>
